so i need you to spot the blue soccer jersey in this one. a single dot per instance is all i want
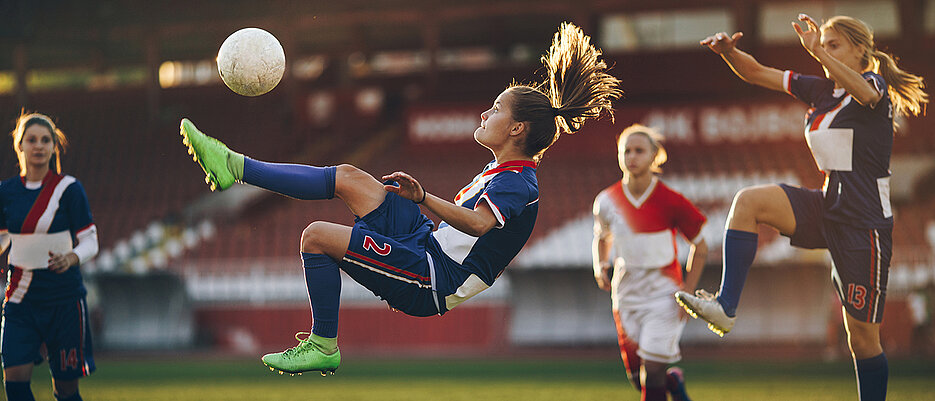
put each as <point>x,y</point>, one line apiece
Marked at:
<point>512,192</point>
<point>851,143</point>
<point>57,208</point>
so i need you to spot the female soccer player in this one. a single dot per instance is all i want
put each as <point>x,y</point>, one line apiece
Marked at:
<point>42,214</point>
<point>849,129</point>
<point>391,249</point>
<point>635,221</point>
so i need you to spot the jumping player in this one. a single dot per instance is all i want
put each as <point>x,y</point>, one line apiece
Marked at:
<point>849,129</point>
<point>391,249</point>
<point>46,222</point>
<point>635,258</point>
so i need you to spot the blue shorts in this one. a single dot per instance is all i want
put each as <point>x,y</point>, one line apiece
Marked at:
<point>387,255</point>
<point>64,329</point>
<point>860,256</point>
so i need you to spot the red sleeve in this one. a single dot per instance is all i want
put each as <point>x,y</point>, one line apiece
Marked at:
<point>687,218</point>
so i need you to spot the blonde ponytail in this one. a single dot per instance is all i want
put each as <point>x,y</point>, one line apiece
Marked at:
<point>906,90</point>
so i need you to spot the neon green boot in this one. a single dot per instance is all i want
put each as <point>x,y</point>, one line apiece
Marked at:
<point>221,165</point>
<point>305,357</point>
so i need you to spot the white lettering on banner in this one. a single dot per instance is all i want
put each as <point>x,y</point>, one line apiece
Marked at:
<point>751,124</point>
<point>443,127</point>
<point>675,124</point>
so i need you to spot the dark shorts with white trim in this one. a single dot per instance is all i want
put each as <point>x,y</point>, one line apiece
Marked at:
<point>387,255</point>
<point>62,326</point>
<point>860,256</point>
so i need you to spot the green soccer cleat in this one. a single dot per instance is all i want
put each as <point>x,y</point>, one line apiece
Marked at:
<point>221,165</point>
<point>305,357</point>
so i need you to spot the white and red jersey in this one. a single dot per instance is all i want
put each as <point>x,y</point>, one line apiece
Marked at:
<point>643,230</point>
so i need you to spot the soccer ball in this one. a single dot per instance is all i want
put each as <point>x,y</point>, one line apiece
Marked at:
<point>251,62</point>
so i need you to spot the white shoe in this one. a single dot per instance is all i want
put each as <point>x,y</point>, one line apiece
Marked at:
<point>705,305</point>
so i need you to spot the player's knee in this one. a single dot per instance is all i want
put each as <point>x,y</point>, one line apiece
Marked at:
<point>310,237</point>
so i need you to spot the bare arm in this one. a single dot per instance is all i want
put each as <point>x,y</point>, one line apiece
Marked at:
<point>474,222</point>
<point>846,77</point>
<point>743,64</point>
<point>695,266</point>
<point>603,266</point>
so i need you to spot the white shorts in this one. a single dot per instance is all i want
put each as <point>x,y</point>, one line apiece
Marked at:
<point>655,328</point>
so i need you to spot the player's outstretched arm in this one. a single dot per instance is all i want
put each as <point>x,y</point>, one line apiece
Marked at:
<point>850,80</point>
<point>474,222</point>
<point>743,64</point>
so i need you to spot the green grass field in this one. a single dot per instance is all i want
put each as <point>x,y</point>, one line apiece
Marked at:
<point>454,380</point>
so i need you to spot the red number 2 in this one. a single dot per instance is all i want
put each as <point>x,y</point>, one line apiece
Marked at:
<point>370,244</point>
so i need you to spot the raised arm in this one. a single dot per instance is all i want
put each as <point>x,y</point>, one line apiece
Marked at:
<point>743,64</point>
<point>474,222</point>
<point>841,74</point>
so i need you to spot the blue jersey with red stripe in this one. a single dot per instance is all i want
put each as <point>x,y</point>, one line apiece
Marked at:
<point>511,190</point>
<point>851,143</point>
<point>59,204</point>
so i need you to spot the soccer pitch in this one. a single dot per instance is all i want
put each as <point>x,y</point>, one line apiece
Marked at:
<point>191,378</point>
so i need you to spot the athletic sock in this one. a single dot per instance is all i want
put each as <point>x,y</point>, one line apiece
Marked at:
<point>18,391</point>
<point>872,375</point>
<point>653,394</point>
<point>74,397</point>
<point>323,280</point>
<point>293,180</point>
<point>675,386</point>
<point>738,253</point>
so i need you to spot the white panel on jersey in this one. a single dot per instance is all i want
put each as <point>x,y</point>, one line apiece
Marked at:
<point>471,287</point>
<point>883,186</point>
<point>31,251</point>
<point>833,148</point>
<point>456,244</point>
<point>646,250</point>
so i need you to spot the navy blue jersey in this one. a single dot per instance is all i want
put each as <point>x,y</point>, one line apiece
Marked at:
<point>512,192</point>
<point>851,143</point>
<point>58,205</point>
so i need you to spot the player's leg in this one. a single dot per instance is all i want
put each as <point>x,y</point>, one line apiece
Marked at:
<point>359,190</point>
<point>765,204</point>
<point>66,390</point>
<point>653,379</point>
<point>16,382</point>
<point>870,362</point>
<point>860,274</point>
<point>675,384</point>
<point>322,244</point>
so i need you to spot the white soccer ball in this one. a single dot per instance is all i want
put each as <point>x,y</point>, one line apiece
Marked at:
<point>251,62</point>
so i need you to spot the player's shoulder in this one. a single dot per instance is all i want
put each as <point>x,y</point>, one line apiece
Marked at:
<point>665,191</point>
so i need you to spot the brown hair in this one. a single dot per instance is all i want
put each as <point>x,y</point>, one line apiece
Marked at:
<point>906,90</point>
<point>60,142</point>
<point>576,89</point>
<point>655,140</point>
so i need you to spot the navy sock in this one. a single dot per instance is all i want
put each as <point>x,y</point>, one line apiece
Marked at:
<point>738,253</point>
<point>293,180</point>
<point>74,397</point>
<point>323,280</point>
<point>872,375</point>
<point>18,391</point>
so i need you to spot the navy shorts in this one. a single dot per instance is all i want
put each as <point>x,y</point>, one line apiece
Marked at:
<point>860,256</point>
<point>62,327</point>
<point>387,255</point>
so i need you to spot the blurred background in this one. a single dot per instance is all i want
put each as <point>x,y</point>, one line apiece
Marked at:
<point>399,85</point>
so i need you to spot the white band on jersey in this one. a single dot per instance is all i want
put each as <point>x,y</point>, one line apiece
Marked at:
<point>31,251</point>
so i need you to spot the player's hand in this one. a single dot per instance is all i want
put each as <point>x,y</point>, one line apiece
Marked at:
<point>408,188</point>
<point>721,43</point>
<point>60,262</point>
<point>603,278</point>
<point>811,38</point>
